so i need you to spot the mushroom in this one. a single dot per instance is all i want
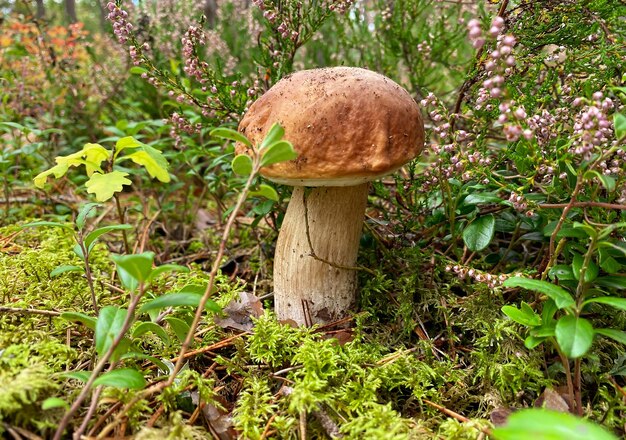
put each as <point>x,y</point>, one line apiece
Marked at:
<point>349,126</point>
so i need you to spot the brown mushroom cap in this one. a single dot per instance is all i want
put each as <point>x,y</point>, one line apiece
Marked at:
<point>348,125</point>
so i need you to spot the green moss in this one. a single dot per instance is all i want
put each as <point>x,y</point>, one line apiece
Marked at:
<point>21,393</point>
<point>255,406</point>
<point>375,421</point>
<point>273,343</point>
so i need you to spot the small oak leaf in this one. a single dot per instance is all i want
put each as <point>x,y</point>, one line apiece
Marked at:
<point>58,171</point>
<point>153,161</point>
<point>104,186</point>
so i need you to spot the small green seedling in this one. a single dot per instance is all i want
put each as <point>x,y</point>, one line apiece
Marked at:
<point>105,181</point>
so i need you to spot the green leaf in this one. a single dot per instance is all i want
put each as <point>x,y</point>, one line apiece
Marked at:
<point>616,335</point>
<point>589,230</point>
<point>280,151</point>
<point>618,303</point>
<point>127,142</point>
<point>82,214</point>
<point>571,233</point>
<point>274,135</point>
<point>133,269</point>
<point>265,191</point>
<point>607,181</point>
<point>65,268</point>
<point>574,335</point>
<point>87,321</point>
<point>543,424</point>
<point>45,223</point>
<point>152,327</point>
<point>54,402</point>
<point>619,124</point>
<point>137,70</point>
<point>153,161</point>
<point>94,155</point>
<point>108,327</point>
<point>178,300</point>
<point>179,327</point>
<point>607,262</point>
<point>166,268</point>
<point>612,281</point>
<point>561,271</point>
<point>78,251</point>
<point>58,171</point>
<point>90,239</point>
<point>227,133</point>
<point>478,198</point>
<point>592,270</point>
<point>104,186</point>
<point>82,376</point>
<point>548,312</point>
<point>122,378</point>
<point>135,355</point>
<point>525,316</point>
<point>533,341</point>
<point>242,165</point>
<point>544,331</point>
<point>478,234</point>
<point>560,296</point>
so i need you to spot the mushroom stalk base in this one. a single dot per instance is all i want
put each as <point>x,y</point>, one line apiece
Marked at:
<point>307,290</point>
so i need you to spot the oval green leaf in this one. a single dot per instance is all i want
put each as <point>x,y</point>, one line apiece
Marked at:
<point>616,335</point>
<point>133,269</point>
<point>108,327</point>
<point>478,234</point>
<point>54,402</point>
<point>178,300</point>
<point>242,165</point>
<point>179,327</point>
<point>82,214</point>
<point>152,327</point>
<point>560,296</point>
<point>549,425</point>
<point>524,316</point>
<point>96,233</point>
<point>618,303</point>
<point>122,378</point>
<point>65,268</point>
<point>280,151</point>
<point>230,134</point>
<point>275,134</point>
<point>87,321</point>
<point>574,335</point>
<point>265,191</point>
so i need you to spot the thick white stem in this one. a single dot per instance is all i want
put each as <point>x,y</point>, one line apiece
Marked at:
<point>306,290</point>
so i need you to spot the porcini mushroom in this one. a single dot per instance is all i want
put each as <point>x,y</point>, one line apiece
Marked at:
<point>349,126</point>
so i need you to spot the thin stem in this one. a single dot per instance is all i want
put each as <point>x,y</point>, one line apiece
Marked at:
<point>88,273</point>
<point>577,387</point>
<point>100,365</point>
<point>570,205</point>
<point>568,373</point>
<point>120,215</point>
<point>582,205</point>
<point>92,409</point>
<point>216,266</point>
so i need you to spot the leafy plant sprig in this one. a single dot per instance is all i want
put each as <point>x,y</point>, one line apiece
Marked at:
<point>581,285</point>
<point>85,242</point>
<point>105,181</point>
